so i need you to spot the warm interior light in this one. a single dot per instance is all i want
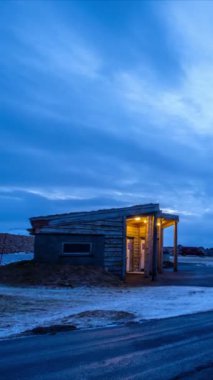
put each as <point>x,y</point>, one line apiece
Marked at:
<point>145,221</point>
<point>137,218</point>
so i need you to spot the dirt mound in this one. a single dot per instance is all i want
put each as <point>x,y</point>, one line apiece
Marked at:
<point>99,318</point>
<point>64,275</point>
<point>90,319</point>
<point>54,329</point>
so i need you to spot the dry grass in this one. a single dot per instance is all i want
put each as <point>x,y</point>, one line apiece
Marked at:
<point>63,275</point>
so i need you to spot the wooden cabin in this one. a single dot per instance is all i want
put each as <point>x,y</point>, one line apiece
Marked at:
<point>121,240</point>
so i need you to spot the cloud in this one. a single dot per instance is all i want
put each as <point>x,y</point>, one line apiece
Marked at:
<point>96,114</point>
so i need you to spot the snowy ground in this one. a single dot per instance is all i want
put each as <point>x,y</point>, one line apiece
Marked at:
<point>23,308</point>
<point>206,260</point>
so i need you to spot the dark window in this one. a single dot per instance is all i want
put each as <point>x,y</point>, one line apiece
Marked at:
<point>77,249</point>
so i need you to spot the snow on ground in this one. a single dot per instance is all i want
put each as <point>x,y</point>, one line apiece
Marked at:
<point>206,260</point>
<point>9,258</point>
<point>23,308</point>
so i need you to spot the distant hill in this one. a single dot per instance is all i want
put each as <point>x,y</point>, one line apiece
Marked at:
<point>11,243</point>
<point>190,251</point>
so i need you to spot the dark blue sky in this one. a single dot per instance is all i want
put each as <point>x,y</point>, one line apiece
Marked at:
<point>107,103</point>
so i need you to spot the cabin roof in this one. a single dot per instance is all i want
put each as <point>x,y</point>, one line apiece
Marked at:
<point>105,214</point>
<point>151,207</point>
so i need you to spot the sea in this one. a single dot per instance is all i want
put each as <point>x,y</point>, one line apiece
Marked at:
<point>9,258</point>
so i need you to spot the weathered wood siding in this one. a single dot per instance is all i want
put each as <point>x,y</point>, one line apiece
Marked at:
<point>112,230</point>
<point>49,248</point>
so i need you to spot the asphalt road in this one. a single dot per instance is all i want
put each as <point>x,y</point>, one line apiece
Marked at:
<point>168,349</point>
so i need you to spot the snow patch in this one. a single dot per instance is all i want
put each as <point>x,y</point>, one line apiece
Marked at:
<point>206,261</point>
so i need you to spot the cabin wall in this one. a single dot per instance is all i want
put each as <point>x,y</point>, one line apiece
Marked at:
<point>49,248</point>
<point>108,248</point>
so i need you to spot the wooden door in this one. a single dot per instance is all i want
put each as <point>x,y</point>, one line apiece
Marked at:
<point>129,254</point>
<point>142,253</point>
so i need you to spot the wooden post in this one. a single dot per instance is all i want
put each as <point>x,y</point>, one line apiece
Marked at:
<point>155,248</point>
<point>124,248</point>
<point>148,251</point>
<point>175,248</point>
<point>162,244</point>
<point>160,247</point>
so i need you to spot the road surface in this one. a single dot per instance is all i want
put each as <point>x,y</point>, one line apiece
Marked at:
<point>168,349</point>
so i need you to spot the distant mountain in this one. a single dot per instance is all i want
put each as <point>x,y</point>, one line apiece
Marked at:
<point>190,251</point>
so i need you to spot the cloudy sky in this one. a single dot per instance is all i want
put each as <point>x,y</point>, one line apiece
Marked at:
<point>105,104</point>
